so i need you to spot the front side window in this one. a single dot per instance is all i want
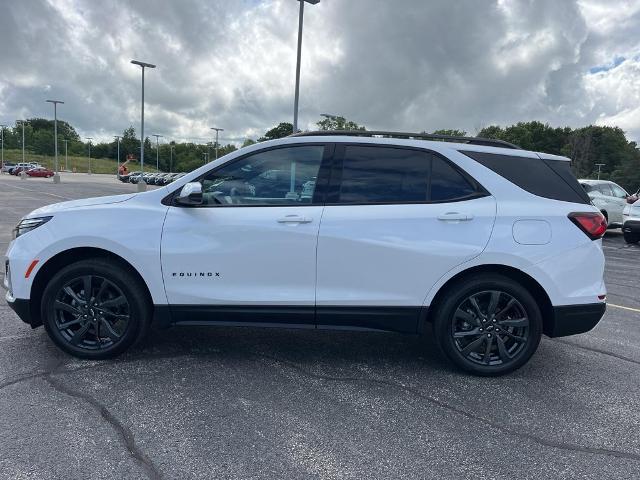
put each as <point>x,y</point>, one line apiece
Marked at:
<point>282,176</point>
<point>605,189</point>
<point>618,191</point>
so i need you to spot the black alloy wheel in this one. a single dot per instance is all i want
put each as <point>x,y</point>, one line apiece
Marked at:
<point>488,325</point>
<point>95,309</point>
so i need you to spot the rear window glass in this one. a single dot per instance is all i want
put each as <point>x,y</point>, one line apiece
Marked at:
<point>545,178</point>
<point>447,183</point>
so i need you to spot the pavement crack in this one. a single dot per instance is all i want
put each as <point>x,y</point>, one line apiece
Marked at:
<point>514,432</point>
<point>597,350</point>
<point>39,374</point>
<point>126,436</point>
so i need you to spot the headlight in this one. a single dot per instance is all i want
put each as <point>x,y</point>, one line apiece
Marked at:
<point>27,224</point>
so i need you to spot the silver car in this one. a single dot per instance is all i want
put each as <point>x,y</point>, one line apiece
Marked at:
<point>609,197</point>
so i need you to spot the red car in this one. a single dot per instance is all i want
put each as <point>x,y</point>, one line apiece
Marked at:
<point>40,172</point>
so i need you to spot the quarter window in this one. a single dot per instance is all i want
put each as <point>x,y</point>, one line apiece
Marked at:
<point>282,176</point>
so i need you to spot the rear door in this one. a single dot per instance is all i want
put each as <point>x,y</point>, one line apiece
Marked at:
<point>396,220</point>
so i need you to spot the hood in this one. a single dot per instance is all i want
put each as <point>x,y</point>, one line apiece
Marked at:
<point>84,202</point>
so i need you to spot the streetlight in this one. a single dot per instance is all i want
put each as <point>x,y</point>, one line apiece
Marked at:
<point>217,131</point>
<point>56,175</point>
<point>141,184</point>
<point>66,157</point>
<point>2,127</point>
<point>89,138</point>
<point>158,137</point>
<point>171,147</point>
<point>600,165</point>
<point>297,93</point>
<point>118,137</point>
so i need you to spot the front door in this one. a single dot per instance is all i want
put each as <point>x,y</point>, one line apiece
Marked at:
<point>248,254</point>
<point>396,220</point>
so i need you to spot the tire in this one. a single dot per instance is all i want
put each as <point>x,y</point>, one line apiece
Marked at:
<point>631,237</point>
<point>117,316</point>
<point>512,332</point>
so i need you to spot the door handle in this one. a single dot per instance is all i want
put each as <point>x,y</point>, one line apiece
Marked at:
<point>455,217</point>
<point>295,219</point>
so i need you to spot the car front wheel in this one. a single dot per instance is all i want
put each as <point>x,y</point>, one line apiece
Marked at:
<point>95,309</point>
<point>488,325</point>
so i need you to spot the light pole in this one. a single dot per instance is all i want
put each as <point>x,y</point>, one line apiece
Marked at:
<point>208,149</point>
<point>66,157</point>
<point>219,130</point>
<point>171,157</point>
<point>22,122</point>
<point>2,127</point>
<point>56,175</point>
<point>297,92</point>
<point>117,137</point>
<point>600,165</point>
<point>158,137</point>
<point>141,184</point>
<point>205,155</point>
<point>89,138</point>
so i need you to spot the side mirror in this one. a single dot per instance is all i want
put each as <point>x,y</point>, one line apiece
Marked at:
<point>190,194</point>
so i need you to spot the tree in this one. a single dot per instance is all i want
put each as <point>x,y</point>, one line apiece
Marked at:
<point>283,129</point>
<point>452,133</point>
<point>338,123</point>
<point>249,142</point>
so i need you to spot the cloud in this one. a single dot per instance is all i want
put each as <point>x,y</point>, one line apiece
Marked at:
<point>408,65</point>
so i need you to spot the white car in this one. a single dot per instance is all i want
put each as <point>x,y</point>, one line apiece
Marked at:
<point>609,197</point>
<point>492,245</point>
<point>631,225</point>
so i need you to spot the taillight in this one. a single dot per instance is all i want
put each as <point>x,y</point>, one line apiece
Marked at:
<point>593,224</point>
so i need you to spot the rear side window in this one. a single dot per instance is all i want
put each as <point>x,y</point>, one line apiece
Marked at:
<point>384,175</point>
<point>545,178</point>
<point>372,174</point>
<point>604,189</point>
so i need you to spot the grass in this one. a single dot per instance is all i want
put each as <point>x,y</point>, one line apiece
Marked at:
<point>80,164</point>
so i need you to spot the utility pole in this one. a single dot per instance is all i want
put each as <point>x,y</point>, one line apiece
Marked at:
<point>22,122</point>
<point>600,165</point>
<point>89,138</point>
<point>56,175</point>
<point>2,127</point>
<point>157,149</point>
<point>217,130</point>
<point>171,158</point>
<point>117,137</point>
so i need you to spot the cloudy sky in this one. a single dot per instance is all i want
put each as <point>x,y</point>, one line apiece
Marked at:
<point>397,65</point>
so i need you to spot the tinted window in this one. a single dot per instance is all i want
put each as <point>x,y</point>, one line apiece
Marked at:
<point>384,175</point>
<point>545,178</point>
<point>447,183</point>
<point>282,176</point>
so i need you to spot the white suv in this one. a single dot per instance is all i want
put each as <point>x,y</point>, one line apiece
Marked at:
<point>491,245</point>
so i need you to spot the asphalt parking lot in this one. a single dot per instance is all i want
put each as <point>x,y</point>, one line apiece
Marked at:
<point>259,403</point>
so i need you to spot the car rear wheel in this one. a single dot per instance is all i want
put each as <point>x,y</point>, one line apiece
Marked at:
<point>95,309</point>
<point>488,325</point>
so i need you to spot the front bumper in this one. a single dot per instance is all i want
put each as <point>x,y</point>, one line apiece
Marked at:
<point>574,319</point>
<point>21,306</point>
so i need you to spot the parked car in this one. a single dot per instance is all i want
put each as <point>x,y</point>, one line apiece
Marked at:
<point>40,172</point>
<point>6,166</point>
<point>609,197</point>
<point>631,223</point>
<point>483,241</point>
<point>134,177</point>
<point>19,167</point>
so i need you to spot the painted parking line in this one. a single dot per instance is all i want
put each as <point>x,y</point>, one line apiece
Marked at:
<point>40,192</point>
<point>637,310</point>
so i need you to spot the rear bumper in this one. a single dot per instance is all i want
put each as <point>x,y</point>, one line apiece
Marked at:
<point>574,319</point>
<point>631,226</point>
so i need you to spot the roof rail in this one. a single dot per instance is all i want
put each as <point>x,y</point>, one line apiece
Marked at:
<point>488,142</point>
